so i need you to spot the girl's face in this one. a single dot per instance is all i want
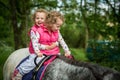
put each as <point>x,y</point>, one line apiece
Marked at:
<point>40,18</point>
<point>57,25</point>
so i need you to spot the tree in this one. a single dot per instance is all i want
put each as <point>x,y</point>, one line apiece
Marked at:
<point>19,14</point>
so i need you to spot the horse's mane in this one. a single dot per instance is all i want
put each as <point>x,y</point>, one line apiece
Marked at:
<point>97,70</point>
<point>74,62</point>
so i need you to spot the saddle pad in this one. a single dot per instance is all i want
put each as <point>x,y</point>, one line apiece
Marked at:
<point>30,74</point>
<point>40,71</point>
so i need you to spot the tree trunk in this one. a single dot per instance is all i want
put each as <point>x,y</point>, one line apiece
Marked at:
<point>18,16</point>
<point>14,23</point>
<point>85,25</point>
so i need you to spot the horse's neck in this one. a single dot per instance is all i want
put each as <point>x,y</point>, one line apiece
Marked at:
<point>60,70</point>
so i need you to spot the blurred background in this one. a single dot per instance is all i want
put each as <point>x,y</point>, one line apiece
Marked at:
<point>91,28</point>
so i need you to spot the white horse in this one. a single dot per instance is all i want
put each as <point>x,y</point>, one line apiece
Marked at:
<point>12,61</point>
<point>63,69</point>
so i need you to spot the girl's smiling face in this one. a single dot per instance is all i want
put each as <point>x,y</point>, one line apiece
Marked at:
<point>40,18</point>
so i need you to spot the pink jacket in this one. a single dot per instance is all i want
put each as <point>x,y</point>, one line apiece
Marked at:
<point>46,39</point>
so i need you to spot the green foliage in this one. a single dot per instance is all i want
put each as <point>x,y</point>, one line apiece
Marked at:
<point>73,11</point>
<point>5,51</point>
<point>71,34</point>
<point>79,54</point>
<point>105,53</point>
<point>114,65</point>
<point>5,32</point>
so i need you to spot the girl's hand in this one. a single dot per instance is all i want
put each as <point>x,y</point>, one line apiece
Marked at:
<point>53,45</point>
<point>39,54</point>
<point>67,53</point>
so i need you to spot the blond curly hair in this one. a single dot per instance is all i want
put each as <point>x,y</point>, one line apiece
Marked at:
<point>52,18</point>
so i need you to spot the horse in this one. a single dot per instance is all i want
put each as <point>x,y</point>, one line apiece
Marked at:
<point>63,68</point>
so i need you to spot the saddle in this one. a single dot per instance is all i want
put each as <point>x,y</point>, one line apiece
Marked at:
<point>38,72</point>
<point>43,64</point>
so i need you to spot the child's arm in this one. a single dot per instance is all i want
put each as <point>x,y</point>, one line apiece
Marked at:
<point>48,47</point>
<point>35,38</point>
<point>64,45</point>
